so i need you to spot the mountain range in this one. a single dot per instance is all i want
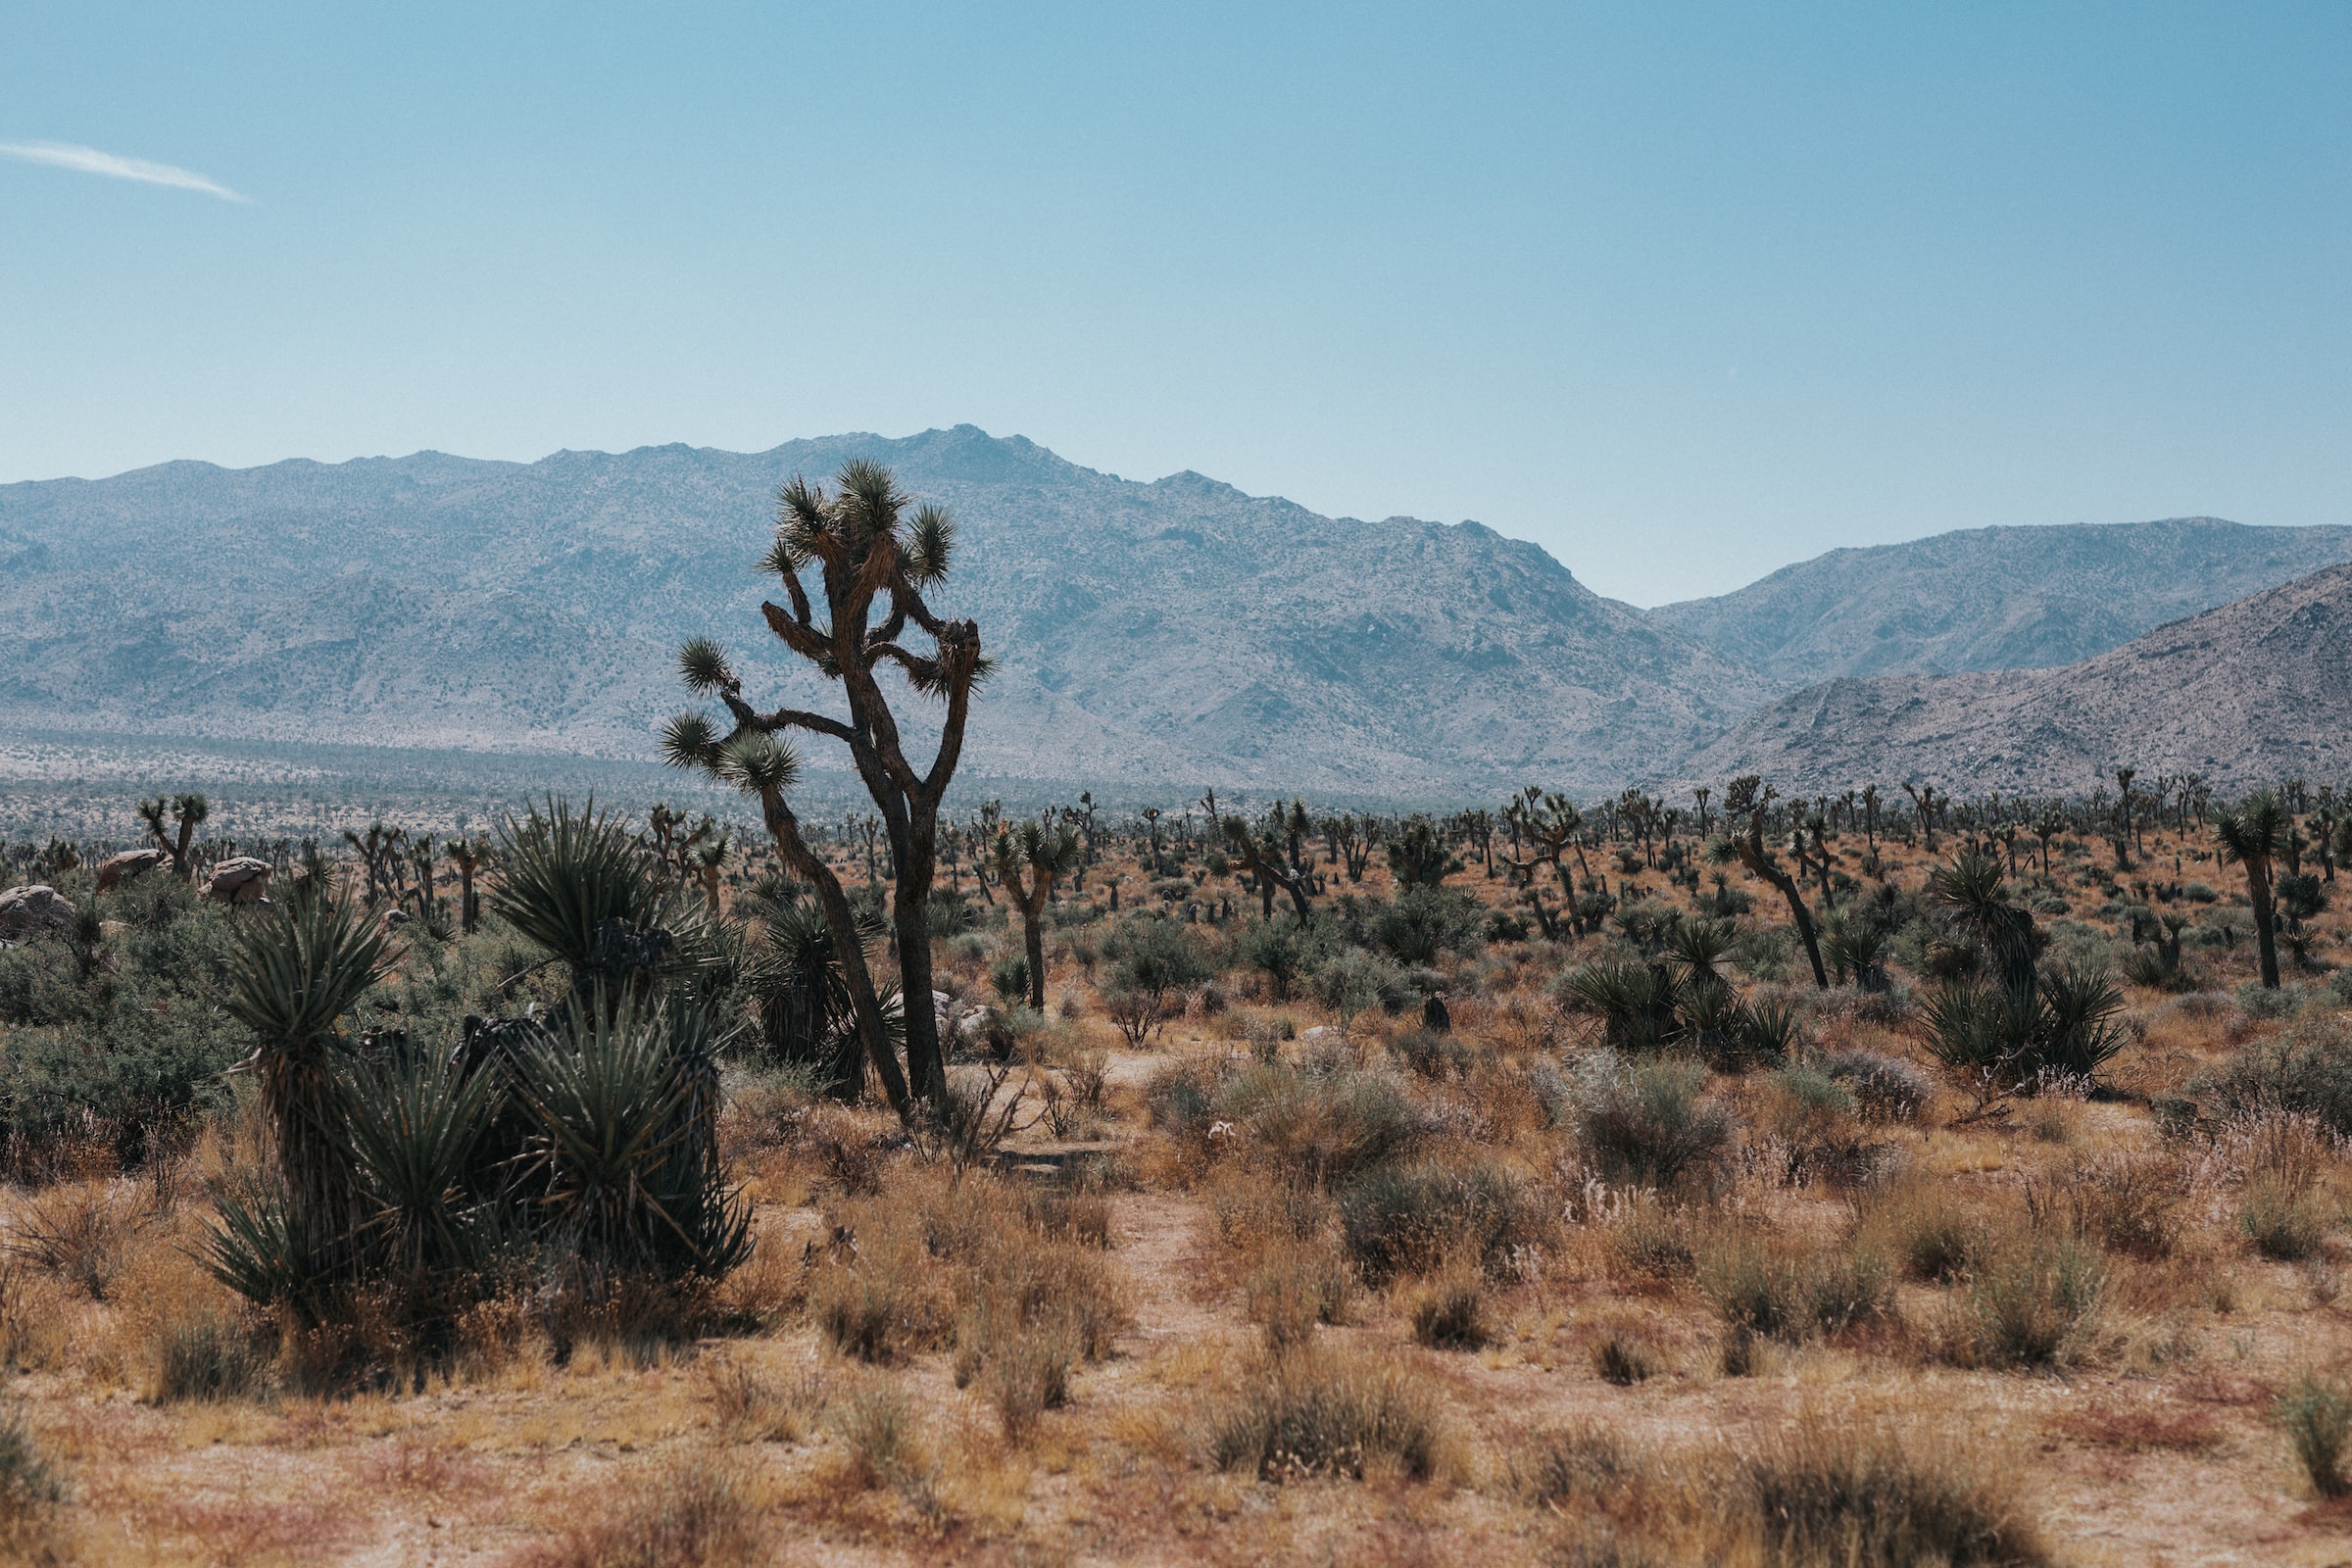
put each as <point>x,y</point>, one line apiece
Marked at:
<point>1153,636</point>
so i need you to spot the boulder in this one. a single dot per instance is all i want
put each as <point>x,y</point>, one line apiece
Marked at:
<point>29,910</point>
<point>130,864</point>
<point>242,880</point>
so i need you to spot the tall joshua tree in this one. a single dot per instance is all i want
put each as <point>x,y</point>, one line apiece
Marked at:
<point>2252,833</point>
<point>190,810</point>
<point>1750,798</point>
<point>872,562</point>
<point>1029,859</point>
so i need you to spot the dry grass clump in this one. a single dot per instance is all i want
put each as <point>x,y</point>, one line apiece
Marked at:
<point>2315,1413</point>
<point>1018,1287</point>
<point>1770,1281</point>
<point>1293,1288</point>
<point>1625,1351</point>
<point>1581,1468</point>
<point>1922,1224</point>
<point>1322,1125</point>
<point>84,1234</point>
<point>1329,1412</point>
<point>695,1511</point>
<point>886,1447</point>
<point>1853,1493</point>
<point>208,1352</point>
<point>2129,1201</point>
<point>1858,1493</point>
<point>2283,1160</point>
<point>2036,1301</point>
<point>1449,1313</point>
<point>750,1406</point>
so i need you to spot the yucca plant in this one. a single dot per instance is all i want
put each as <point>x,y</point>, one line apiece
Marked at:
<point>622,1164</point>
<point>1636,1003</point>
<point>266,1251</point>
<point>581,888</point>
<point>413,1124</point>
<point>801,997</point>
<point>292,978</point>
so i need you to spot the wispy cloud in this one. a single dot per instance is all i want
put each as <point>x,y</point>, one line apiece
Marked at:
<point>91,161</point>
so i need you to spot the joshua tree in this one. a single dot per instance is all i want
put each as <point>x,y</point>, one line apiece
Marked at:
<point>469,854</point>
<point>707,859</point>
<point>1925,803</point>
<point>1550,823</point>
<point>1028,859</point>
<point>379,852</point>
<point>870,556</point>
<point>1418,856</point>
<point>1750,798</point>
<point>2253,833</point>
<point>1262,857</point>
<point>190,812</point>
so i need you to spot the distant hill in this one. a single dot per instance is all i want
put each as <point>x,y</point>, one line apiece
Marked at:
<point>1162,635</point>
<point>1994,598</point>
<point>2249,693</point>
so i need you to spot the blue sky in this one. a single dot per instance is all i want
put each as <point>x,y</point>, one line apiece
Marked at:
<point>1683,293</point>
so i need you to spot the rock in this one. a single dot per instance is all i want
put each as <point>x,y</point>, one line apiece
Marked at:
<point>242,880</point>
<point>130,864</point>
<point>29,910</point>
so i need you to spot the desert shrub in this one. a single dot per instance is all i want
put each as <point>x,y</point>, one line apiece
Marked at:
<point>1647,1121</point>
<point>1922,1225</point>
<point>2035,1300</point>
<point>1884,1088</point>
<point>1623,1352</point>
<point>1153,954</point>
<point>203,1353</point>
<point>1025,1378</point>
<point>32,1484</point>
<point>1774,1284</point>
<point>1426,921</point>
<point>1401,1220</point>
<point>1329,1413</point>
<point>1574,1469</point>
<point>1856,1495</point>
<point>1272,948</point>
<point>1324,1124</point>
<point>1637,1003</point>
<point>2126,1202</point>
<point>82,1234</point>
<point>694,1512</point>
<point>885,1443</point>
<point>882,1305</point>
<point>750,1408</point>
<point>2282,1158</point>
<point>2306,1070</point>
<point>1179,1096</point>
<point>1353,982</point>
<point>1294,1288</point>
<point>2315,1413</point>
<point>1650,1242</point>
<point>1449,1313</point>
<point>1008,977</point>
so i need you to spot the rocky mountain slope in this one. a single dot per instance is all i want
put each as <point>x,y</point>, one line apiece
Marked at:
<point>2247,695</point>
<point>1162,635</point>
<point>1994,598</point>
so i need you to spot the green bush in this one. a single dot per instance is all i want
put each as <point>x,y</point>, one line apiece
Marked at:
<point>2306,1070</point>
<point>1409,1220</point>
<point>1647,1120</point>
